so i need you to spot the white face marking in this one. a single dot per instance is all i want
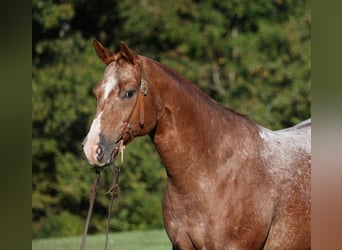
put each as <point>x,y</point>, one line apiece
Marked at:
<point>93,139</point>
<point>109,86</point>
<point>110,80</point>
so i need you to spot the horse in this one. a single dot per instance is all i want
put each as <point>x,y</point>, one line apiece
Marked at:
<point>231,183</point>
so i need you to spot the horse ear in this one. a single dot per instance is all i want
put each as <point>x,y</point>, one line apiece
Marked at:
<point>127,53</point>
<point>103,53</point>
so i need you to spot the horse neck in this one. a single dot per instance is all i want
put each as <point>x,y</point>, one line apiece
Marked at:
<point>192,129</point>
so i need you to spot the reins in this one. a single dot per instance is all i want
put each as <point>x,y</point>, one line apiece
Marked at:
<point>91,205</point>
<point>114,189</point>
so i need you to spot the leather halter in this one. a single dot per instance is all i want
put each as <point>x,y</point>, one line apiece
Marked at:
<point>127,133</point>
<point>144,92</point>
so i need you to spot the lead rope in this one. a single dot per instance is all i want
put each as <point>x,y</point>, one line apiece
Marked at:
<point>91,204</point>
<point>115,189</point>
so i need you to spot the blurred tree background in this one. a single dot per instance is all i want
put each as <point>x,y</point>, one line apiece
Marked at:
<point>251,56</point>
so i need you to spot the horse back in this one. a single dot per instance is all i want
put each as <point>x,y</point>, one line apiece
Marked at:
<point>284,147</point>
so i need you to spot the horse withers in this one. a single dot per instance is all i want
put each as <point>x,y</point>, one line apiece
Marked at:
<point>232,184</point>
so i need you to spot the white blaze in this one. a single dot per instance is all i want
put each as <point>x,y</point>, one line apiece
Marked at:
<point>93,139</point>
<point>109,86</point>
<point>110,81</point>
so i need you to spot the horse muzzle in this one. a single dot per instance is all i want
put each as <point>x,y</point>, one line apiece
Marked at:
<point>101,153</point>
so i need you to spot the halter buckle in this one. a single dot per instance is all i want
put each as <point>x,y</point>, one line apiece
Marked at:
<point>143,87</point>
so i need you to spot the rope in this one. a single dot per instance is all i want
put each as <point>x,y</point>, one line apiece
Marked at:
<point>91,205</point>
<point>115,189</point>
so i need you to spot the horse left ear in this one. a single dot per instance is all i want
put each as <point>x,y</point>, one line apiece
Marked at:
<point>127,53</point>
<point>103,53</point>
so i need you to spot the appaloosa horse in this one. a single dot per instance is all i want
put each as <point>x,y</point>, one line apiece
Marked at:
<point>232,184</point>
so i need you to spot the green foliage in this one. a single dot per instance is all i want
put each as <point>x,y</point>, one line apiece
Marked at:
<point>251,56</point>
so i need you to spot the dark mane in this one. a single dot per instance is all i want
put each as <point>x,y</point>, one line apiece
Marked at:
<point>195,88</point>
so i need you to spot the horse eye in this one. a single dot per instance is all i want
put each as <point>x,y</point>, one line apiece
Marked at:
<point>129,93</point>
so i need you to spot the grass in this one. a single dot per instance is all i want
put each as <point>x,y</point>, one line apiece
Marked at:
<point>146,240</point>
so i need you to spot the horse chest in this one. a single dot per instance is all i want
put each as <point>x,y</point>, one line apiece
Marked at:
<point>203,220</point>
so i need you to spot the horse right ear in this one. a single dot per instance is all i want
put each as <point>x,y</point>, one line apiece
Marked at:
<point>127,53</point>
<point>103,53</point>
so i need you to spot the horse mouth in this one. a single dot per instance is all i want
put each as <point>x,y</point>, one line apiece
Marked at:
<point>119,147</point>
<point>107,150</point>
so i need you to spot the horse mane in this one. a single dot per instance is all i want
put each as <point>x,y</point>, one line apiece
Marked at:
<point>196,89</point>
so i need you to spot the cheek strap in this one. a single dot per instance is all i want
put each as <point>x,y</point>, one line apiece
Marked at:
<point>141,101</point>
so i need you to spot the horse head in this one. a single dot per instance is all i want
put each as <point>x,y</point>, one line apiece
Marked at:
<point>124,105</point>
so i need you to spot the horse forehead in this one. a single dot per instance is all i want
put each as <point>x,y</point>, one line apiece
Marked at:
<point>109,80</point>
<point>120,72</point>
<point>114,76</point>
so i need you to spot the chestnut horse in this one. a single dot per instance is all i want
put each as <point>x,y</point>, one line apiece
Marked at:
<point>232,184</point>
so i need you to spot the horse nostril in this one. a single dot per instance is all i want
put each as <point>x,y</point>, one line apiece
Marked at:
<point>99,153</point>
